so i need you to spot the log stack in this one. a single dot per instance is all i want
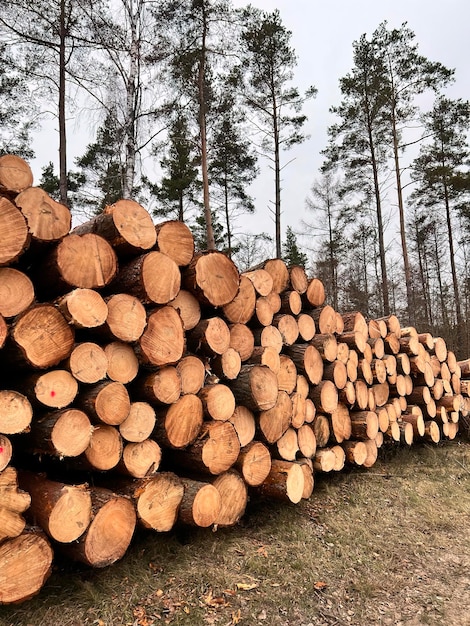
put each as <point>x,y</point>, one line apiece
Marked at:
<point>147,384</point>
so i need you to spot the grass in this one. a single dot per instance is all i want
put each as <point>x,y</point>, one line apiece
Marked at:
<point>382,546</point>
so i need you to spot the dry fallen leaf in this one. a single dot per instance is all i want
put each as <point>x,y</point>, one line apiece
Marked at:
<point>246,586</point>
<point>319,585</point>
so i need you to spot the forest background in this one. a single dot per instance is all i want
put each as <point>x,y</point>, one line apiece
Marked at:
<point>335,137</point>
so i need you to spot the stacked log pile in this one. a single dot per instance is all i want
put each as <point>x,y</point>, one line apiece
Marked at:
<point>145,384</point>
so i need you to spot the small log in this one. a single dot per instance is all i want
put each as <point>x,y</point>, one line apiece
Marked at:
<point>179,425</point>
<point>256,387</point>
<point>417,422</point>
<point>201,504</point>
<point>62,433</point>
<point>326,345</point>
<point>83,308</point>
<point>356,322</point>
<point>16,292</point>
<point>15,174</point>
<point>307,441</point>
<point>431,431</point>
<point>254,463</point>
<point>175,239</point>
<point>126,225</point>
<point>324,460</point>
<point>242,340</point>
<point>241,307</point>
<point>212,277</point>
<point>364,425</point>
<point>25,565</point>
<point>377,328</point>
<point>298,409</point>
<point>287,375</point>
<point>218,401</point>
<point>406,433</point>
<point>227,365</point>
<point>322,430</point>
<point>287,326</point>
<point>15,412</point>
<point>14,234</point>
<point>210,337</point>
<point>63,511</point>
<point>139,424</point>
<point>157,500</point>
<point>340,423</point>
<point>163,340</point>
<point>263,313</point>
<point>309,480</point>
<point>123,364</point>
<point>348,395</point>
<point>192,371</point>
<point>13,503</point>
<point>233,498</point>
<point>355,451</point>
<point>268,336</point>
<point>308,360</point>
<point>287,445</point>
<point>261,280</point>
<point>104,450</point>
<point>274,422</point>
<point>306,326</point>
<point>87,363</point>
<point>325,319</point>
<point>285,481</point>
<point>243,421</point>
<point>372,453</point>
<point>440,349</point>
<point>140,459</point>
<point>151,277</point>
<point>108,536</point>
<point>106,402</point>
<point>268,356</point>
<point>161,387</point>
<point>126,318</point>
<point>336,372</point>
<point>53,389</point>
<point>324,396</point>
<point>48,220</point>
<point>315,294</point>
<point>188,308</point>
<point>291,303</point>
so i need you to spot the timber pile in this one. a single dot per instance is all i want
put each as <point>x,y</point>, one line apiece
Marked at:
<point>144,384</point>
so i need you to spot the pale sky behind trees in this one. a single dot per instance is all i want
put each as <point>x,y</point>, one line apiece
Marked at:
<point>322,35</point>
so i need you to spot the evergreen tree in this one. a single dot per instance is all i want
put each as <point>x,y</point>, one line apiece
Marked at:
<point>292,254</point>
<point>268,62</point>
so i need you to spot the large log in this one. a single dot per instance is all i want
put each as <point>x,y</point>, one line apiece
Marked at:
<point>139,423</point>
<point>241,307</point>
<point>212,277</point>
<point>176,241</point>
<point>162,342</point>
<point>13,503</point>
<point>254,463</point>
<point>284,482</point>
<point>47,220</point>
<point>157,500</point>
<point>15,174</point>
<point>179,425</point>
<point>106,402</point>
<point>16,292</point>
<point>256,387</point>
<point>83,308</point>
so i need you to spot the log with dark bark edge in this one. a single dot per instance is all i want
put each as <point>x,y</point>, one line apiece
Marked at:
<point>256,387</point>
<point>291,303</point>
<point>123,365</point>
<point>285,482</point>
<point>364,425</point>
<point>3,331</point>
<point>326,345</point>
<point>104,450</point>
<point>105,402</point>
<point>226,365</point>
<point>218,401</point>
<point>163,340</point>
<point>298,409</point>
<point>161,387</point>
<point>25,565</point>
<point>287,446</point>
<point>85,261</point>
<point>324,396</point>
<point>308,360</point>
<point>315,295</point>
<point>192,372</point>
<point>287,326</point>
<point>126,225</point>
<point>254,463</point>
<point>263,313</point>
<point>175,239</point>
<point>201,504</point>
<point>188,307</point>
<point>213,452</point>
<point>336,372</point>
<point>15,174</point>
<point>356,452</point>
<point>47,220</point>
<point>212,277</point>
<point>278,272</point>
<point>261,280</point>
<point>110,532</point>
<point>39,338</point>
<point>16,412</point>
<point>62,433</point>
<point>152,277</point>
<point>139,423</point>
<point>13,503</point>
<point>211,336</point>
<point>63,511</point>
<point>140,459</point>
<point>241,308</point>
<point>274,422</point>
<point>16,292</point>
<point>267,355</point>
<point>309,479</point>
<point>53,389</point>
<point>268,336</point>
<point>307,441</point>
<point>179,425</point>
<point>125,320</point>
<point>14,234</point>
<point>306,326</point>
<point>83,308</point>
<point>233,498</point>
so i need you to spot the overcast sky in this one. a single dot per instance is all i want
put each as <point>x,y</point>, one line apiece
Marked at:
<point>322,35</point>
<point>323,32</point>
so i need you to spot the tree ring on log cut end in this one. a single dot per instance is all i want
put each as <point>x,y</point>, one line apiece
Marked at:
<point>134,223</point>
<point>218,278</point>
<point>15,173</point>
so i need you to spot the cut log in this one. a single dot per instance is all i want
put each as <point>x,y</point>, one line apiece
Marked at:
<point>274,422</point>
<point>233,498</point>
<point>3,331</point>
<point>355,322</point>
<point>180,424</point>
<point>356,452</point>
<point>254,463</point>
<point>287,445</point>
<point>107,402</point>
<point>322,430</point>
<point>324,460</point>
<point>163,340</point>
<point>308,360</point>
<point>298,409</point>
<point>242,306</point>
<point>315,294</point>
<point>14,234</point>
<point>287,326</point>
<point>104,450</point>
<point>354,339</point>
<point>53,389</point>
<point>417,422</point>
<point>25,565</point>
<point>306,326</point>
<point>87,363</point>
<point>140,459</point>
<point>364,425</point>
<point>218,401</point>
<point>326,345</point>
<point>161,387</point>
<point>256,387</point>
<point>336,372</point>
<point>377,328</point>
<point>47,220</point>
<point>212,277</point>
<point>40,338</point>
<point>83,308</point>
<point>215,450</point>
<point>309,480</point>
<point>139,424</point>
<point>157,500</point>
<point>325,319</point>
<point>285,482</point>
<point>15,174</point>
<point>263,313</point>
<point>152,278</point>
<point>210,337</point>
<point>340,423</point>
<point>348,395</point>
<point>287,375</point>
<point>261,280</point>
<point>63,511</point>
<point>291,303</point>
<point>126,318</point>
<point>243,421</point>
<point>307,441</point>
<point>268,336</point>
<point>126,225</point>
<point>188,308</point>
<point>175,239</point>
<point>15,412</point>
<point>85,261</point>
<point>268,356</point>
<point>279,273</point>
<point>324,396</point>
<point>242,340</point>
<point>13,503</point>
<point>227,365</point>
<point>192,371</point>
<point>201,504</point>
<point>6,452</point>
<point>63,433</point>
<point>123,365</point>
<point>431,431</point>
<point>298,278</point>
<point>108,536</point>
<point>16,292</point>
<point>372,453</point>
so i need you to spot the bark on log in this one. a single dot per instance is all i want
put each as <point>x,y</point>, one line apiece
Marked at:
<point>210,337</point>
<point>324,396</point>
<point>54,389</point>
<point>256,387</point>
<point>107,402</point>
<point>140,459</point>
<point>261,280</point>
<point>201,504</point>
<point>218,401</point>
<point>63,433</point>
<point>287,445</point>
<point>227,365</point>
<point>6,452</point>
<point>308,360</point>
<point>356,452</point>
<point>157,500</point>
<point>161,387</point>
<point>284,482</point>
<point>341,423</point>
<point>322,430</point>
<point>180,424</point>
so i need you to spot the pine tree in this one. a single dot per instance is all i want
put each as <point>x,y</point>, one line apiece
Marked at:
<point>292,254</point>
